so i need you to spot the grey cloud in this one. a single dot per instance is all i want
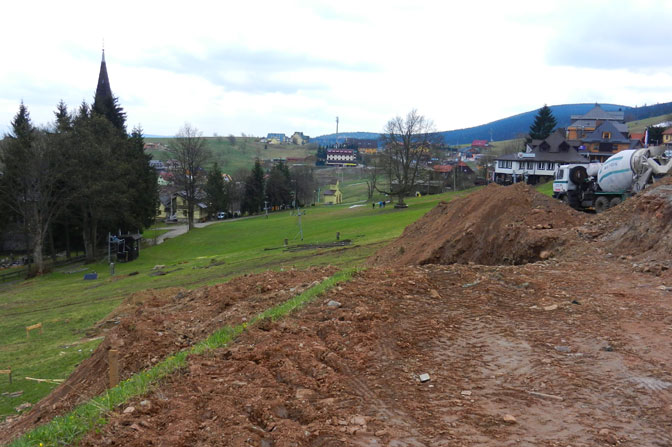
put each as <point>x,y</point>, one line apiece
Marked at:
<point>614,39</point>
<point>259,68</point>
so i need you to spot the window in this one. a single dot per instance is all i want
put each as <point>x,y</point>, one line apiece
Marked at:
<point>505,164</point>
<point>606,135</point>
<point>551,166</point>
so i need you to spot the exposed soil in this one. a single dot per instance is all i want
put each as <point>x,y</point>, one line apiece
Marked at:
<point>151,324</point>
<point>495,225</point>
<point>593,372</point>
<point>565,342</point>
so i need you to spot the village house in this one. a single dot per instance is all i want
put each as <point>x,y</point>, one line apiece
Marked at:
<point>173,207</point>
<point>333,195</point>
<point>601,134</point>
<point>667,137</point>
<point>299,138</point>
<point>341,157</point>
<point>276,138</point>
<point>539,162</point>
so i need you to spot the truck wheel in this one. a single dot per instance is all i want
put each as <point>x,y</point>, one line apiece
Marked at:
<point>601,204</point>
<point>615,201</point>
<point>578,174</point>
<point>565,199</point>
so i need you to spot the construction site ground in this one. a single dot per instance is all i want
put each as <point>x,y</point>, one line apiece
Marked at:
<point>430,346</point>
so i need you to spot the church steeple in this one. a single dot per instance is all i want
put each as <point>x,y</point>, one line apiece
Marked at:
<point>103,91</point>
<point>105,103</point>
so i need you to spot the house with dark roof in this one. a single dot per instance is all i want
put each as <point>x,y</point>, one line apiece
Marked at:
<point>582,125</point>
<point>539,162</point>
<point>606,140</point>
<point>276,138</point>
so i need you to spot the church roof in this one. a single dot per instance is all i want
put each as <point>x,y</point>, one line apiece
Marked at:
<point>103,90</point>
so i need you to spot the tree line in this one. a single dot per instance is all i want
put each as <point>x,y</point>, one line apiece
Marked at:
<point>65,185</point>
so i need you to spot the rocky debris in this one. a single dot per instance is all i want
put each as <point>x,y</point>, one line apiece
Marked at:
<point>509,419</point>
<point>332,303</point>
<point>23,406</point>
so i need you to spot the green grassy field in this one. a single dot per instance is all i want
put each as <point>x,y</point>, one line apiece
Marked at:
<point>641,125</point>
<point>68,306</point>
<point>232,158</point>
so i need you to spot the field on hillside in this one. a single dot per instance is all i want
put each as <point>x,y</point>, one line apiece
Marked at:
<point>232,158</point>
<point>641,125</point>
<point>69,307</point>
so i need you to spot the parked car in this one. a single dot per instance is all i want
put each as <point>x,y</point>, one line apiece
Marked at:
<point>221,215</point>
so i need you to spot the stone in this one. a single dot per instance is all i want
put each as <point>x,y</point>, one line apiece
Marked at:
<point>551,307</point>
<point>145,405</point>
<point>333,303</point>
<point>129,410</point>
<point>466,393</point>
<point>23,406</point>
<point>434,294</point>
<point>358,420</point>
<point>509,419</point>
<point>424,377</point>
<point>545,254</point>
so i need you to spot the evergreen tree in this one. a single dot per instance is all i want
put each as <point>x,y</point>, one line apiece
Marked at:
<point>216,191</point>
<point>63,119</point>
<point>22,126</point>
<point>543,125</point>
<point>31,183</point>
<point>278,187</point>
<point>142,184</point>
<point>253,199</point>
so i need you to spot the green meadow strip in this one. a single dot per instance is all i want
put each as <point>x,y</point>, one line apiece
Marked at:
<point>66,429</point>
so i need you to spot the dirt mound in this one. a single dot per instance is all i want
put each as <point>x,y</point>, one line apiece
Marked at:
<point>150,325</point>
<point>496,225</point>
<point>639,228</point>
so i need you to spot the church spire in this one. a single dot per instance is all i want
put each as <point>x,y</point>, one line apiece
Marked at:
<point>103,91</point>
<point>104,103</point>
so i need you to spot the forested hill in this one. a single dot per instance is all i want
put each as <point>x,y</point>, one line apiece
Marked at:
<point>511,127</point>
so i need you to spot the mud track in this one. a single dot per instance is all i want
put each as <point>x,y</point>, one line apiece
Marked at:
<point>595,369</point>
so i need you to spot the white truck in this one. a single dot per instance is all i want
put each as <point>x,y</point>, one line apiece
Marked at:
<point>600,186</point>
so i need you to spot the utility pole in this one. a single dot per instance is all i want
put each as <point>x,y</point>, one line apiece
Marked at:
<point>266,208</point>
<point>336,132</point>
<point>300,225</point>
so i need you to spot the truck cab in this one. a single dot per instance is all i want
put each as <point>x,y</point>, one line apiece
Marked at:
<point>569,181</point>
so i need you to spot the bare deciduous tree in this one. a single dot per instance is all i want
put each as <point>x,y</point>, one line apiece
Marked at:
<point>373,167</point>
<point>190,153</point>
<point>406,145</point>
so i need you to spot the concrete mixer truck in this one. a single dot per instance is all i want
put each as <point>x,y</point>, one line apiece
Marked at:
<point>600,186</point>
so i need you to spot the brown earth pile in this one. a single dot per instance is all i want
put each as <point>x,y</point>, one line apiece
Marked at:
<point>152,324</point>
<point>640,227</point>
<point>495,225</point>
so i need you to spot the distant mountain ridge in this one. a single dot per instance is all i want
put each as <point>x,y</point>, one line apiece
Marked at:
<point>513,126</point>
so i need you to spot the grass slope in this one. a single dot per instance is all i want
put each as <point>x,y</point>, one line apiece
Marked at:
<point>67,306</point>
<point>232,158</point>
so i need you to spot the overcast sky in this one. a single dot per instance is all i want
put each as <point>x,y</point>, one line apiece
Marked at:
<point>282,66</point>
